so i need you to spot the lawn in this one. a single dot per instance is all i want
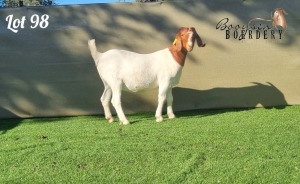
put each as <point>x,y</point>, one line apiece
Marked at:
<point>212,146</point>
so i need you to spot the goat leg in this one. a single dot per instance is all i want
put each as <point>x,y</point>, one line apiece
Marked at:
<point>170,103</point>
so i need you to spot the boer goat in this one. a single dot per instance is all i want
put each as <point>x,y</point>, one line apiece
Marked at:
<point>124,70</point>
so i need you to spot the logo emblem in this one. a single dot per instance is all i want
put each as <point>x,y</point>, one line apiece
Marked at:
<point>277,19</point>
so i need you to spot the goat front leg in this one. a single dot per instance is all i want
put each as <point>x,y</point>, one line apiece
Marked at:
<point>161,100</point>
<point>116,101</point>
<point>170,103</point>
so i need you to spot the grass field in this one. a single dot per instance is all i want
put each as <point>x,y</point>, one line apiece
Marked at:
<point>215,146</point>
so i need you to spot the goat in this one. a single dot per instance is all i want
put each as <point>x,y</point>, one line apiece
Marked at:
<point>278,19</point>
<point>124,70</point>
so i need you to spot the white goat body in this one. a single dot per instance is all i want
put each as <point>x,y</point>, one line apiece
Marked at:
<point>124,70</point>
<point>138,71</point>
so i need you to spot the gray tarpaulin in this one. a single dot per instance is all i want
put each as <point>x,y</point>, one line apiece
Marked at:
<point>47,70</point>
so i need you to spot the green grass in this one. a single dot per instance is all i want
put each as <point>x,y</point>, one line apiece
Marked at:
<point>217,146</point>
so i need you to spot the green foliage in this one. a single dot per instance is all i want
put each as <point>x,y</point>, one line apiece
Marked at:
<point>217,146</point>
<point>15,3</point>
<point>149,1</point>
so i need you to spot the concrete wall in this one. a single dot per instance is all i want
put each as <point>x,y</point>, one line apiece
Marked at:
<point>49,72</point>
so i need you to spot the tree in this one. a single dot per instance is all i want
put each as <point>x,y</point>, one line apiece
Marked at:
<point>149,1</point>
<point>146,1</point>
<point>16,3</point>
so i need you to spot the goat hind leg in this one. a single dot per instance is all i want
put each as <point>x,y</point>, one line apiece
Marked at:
<point>105,99</point>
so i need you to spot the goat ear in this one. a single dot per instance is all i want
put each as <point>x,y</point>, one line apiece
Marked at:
<point>284,12</point>
<point>199,41</point>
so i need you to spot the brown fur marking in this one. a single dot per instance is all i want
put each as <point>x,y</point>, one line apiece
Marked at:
<point>180,48</point>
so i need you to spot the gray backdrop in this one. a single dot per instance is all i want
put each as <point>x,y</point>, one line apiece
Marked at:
<point>49,72</point>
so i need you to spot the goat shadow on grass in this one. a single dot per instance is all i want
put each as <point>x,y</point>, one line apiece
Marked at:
<point>10,123</point>
<point>14,120</point>
<point>223,100</point>
<point>192,102</point>
<point>141,117</point>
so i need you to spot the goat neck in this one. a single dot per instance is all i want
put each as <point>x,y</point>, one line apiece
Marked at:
<point>178,55</point>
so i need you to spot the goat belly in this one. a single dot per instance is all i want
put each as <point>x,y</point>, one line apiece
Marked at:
<point>139,84</point>
<point>138,71</point>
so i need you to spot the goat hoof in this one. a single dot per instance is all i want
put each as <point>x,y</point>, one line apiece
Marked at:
<point>126,122</point>
<point>159,119</point>
<point>110,119</point>
<point>171,116</point>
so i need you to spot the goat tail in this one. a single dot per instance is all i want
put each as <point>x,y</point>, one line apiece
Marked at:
<point>93,49</point>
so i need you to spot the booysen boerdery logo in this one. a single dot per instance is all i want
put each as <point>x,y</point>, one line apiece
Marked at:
<point>257,28</point>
